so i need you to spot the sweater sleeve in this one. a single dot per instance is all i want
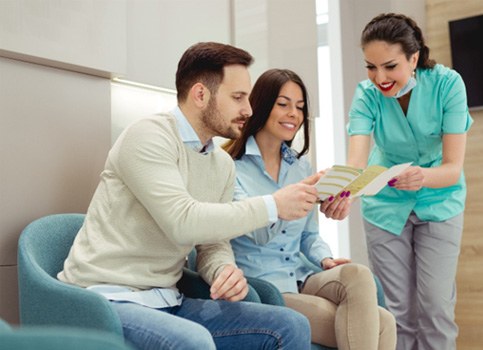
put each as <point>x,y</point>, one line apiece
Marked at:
<point>146,160</point>
<point>211,258</point>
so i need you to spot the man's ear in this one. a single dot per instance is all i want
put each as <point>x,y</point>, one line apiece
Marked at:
<point>200,95</point>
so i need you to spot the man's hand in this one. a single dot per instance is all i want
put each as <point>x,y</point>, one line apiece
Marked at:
<point>229,285</point>
<point>297,200</point>
<point>329,263</point>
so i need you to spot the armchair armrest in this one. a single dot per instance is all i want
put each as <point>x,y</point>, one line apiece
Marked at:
<point>47,301</point>
<point>193,286</point>
<point>381,299</point>
<point>266,291</point>
<point>4,326</point>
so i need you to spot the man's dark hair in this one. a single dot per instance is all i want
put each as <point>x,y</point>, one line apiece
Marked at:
<point>204,62</point>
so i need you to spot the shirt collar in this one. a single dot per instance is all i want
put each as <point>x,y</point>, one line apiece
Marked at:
<point>188,134</point>
<point>288,154</point>
<point>251,147</point>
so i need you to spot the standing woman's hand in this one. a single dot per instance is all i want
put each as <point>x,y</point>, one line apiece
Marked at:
<point>410,179</point>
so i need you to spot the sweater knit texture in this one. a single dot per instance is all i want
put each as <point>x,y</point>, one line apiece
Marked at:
<point>156,200</point>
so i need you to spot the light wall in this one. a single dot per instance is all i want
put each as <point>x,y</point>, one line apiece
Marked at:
<point>281,34</point>
<point>159,31</point>
<point>56,58</point>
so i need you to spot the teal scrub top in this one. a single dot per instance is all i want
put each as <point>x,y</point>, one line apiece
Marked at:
<point>437,106</point>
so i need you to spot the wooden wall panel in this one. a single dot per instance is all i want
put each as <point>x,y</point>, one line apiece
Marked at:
<point>469,308</point>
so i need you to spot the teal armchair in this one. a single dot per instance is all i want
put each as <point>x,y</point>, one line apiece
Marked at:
<point>58,338</point>
<point>45,301</point>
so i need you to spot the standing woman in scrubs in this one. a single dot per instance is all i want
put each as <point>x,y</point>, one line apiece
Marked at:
<point>416,111</point>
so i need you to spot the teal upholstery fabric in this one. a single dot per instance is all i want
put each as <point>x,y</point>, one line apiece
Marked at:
<point>58,338</point>
<point>44,300</point>
<point>4,326</point>
<point>266,291</point>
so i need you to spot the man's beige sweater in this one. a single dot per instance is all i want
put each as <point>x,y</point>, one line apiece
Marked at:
<point>156,200</point>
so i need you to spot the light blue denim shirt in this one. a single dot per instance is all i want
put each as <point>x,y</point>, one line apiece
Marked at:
<point>273,252</point>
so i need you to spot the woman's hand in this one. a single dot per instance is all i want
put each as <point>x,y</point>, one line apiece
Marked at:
<point>329,263</point>
<point>410,179</point>
<point>336,208</point>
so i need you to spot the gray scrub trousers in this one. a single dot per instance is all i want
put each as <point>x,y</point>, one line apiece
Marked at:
<point>418,271</point>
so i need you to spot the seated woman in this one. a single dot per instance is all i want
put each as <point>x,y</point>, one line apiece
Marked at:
<point>340,302</point>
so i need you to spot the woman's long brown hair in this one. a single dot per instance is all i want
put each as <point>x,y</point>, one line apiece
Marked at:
<point>262,99</point>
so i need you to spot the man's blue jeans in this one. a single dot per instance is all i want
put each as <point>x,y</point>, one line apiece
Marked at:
<point>208,324</point>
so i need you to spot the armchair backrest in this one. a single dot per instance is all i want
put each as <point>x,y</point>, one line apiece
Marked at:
<point>44,300</point>
<point>46,242</point>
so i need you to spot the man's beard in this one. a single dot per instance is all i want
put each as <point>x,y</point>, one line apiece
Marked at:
<point>214,121</point>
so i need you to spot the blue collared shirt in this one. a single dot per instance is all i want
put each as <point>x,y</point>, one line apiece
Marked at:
<point>188,134</point>
<point>273,252</point>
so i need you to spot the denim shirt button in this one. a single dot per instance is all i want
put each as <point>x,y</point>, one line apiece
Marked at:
<point>287,259</point>
<point>291,273</point>
<point>283,231</point>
